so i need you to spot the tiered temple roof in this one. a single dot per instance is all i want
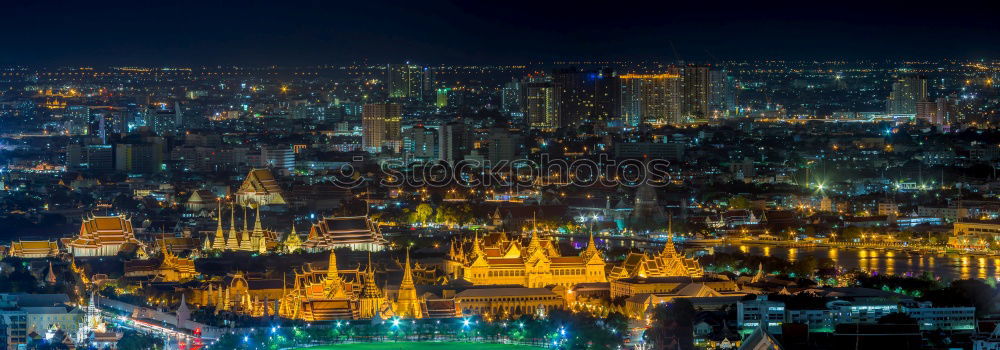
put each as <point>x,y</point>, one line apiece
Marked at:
<point>260,188</point>
<point>665,264</point>
<point>33,249</point>
<point>354,232</point>
<point>101,236</point>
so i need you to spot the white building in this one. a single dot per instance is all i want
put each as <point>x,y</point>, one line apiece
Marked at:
<point>750,314</point>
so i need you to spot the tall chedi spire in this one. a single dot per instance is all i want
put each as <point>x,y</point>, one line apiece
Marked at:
<point>534,244</point>
<point>668,247</point>
<point>245,243</point>
<point>334,286</point>
<point>407,304</point>
<point>292,241</point>
<point>371,296</point>
<point>219,243</point>
<point>257,236</point>
<point>232,242</point>
<point>591,250</point>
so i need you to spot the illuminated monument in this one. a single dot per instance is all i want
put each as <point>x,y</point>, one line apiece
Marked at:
<point>101,236</point>
<point>260,188</point>
<point>496,259</point>
<point>257,240</point>
<point>668,263</point>
<point>354,232</point>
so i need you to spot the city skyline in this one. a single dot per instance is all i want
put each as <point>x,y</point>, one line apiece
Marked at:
<point>499,175</point>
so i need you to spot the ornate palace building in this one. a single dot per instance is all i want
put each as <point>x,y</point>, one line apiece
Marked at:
<point>496,260</point>
<point>668,263</point>
<point>168,268</point>
<point>101,236</point>
<point>335,294</point>
<point>260,189</point>
<point>354,232</point>
<point>33,249</point>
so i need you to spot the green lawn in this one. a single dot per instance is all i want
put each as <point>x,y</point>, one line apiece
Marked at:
<point>421,346</point>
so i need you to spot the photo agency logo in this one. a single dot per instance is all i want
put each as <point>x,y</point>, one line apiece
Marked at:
<point>514,174</point>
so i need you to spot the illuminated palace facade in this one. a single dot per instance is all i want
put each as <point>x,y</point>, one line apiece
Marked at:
<point>499,260</point>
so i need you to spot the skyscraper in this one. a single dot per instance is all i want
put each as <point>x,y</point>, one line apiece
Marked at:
<point>380,124</point>
<point>542,104</point>
<point>511,102</point>
<point>695,84</point>
<point>607,96</point>
<point>163,119</point>
<point>420,144</point>
<point>722,93</point>
<point>441,98</point>
<point>905,94</point>
<point>452,141</point>
<point>576,91</point>
<point>502,145</point>
<point>511,98</point>
<point>405,81</point>
<point>651,98</point>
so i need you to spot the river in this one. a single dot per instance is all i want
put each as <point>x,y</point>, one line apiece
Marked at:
<point>946,266</point>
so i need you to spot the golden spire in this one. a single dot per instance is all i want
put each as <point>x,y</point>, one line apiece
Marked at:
<point>244,218</point>
<point>534,244</point>
<point>477,250</point>
<point>220,240</point>
<point>370,289</point>
<point>591,246</point>
<point>407,272</point>
<point>668,247</point>
<point>331,271</point>
<point>257,227</point>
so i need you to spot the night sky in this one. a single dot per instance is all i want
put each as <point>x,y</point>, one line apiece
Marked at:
<point>476,31</point>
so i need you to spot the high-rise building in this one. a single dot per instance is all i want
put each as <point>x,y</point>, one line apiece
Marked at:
<point>428,83</point>
<point>453,141</point>
<point>607,96</point>
<point>577,91</point>
<point>722,93</point>
<point>695,83</point>
<point>420,144</point>
<point>511,99</point>
<point>502,145</point>
<point>380,124</point>
<point>651,98</point>
<point>934,112</point>
<point>541,104</point>
<point>282,159</point>
<point>77,120</point>
<point>441,98</point>
<point>140,158</point>
<point>164,119</point>
<point>405,81</point>
<point>905,94</point>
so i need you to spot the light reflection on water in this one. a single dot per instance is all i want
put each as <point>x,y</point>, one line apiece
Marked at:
<point>947,266</point>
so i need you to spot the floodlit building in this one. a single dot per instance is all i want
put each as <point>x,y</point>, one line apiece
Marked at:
<point>33,249</point>
<point>496,259</point>
<point>260,188</point>
<point>101,236</point>
<point>354,232</point>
